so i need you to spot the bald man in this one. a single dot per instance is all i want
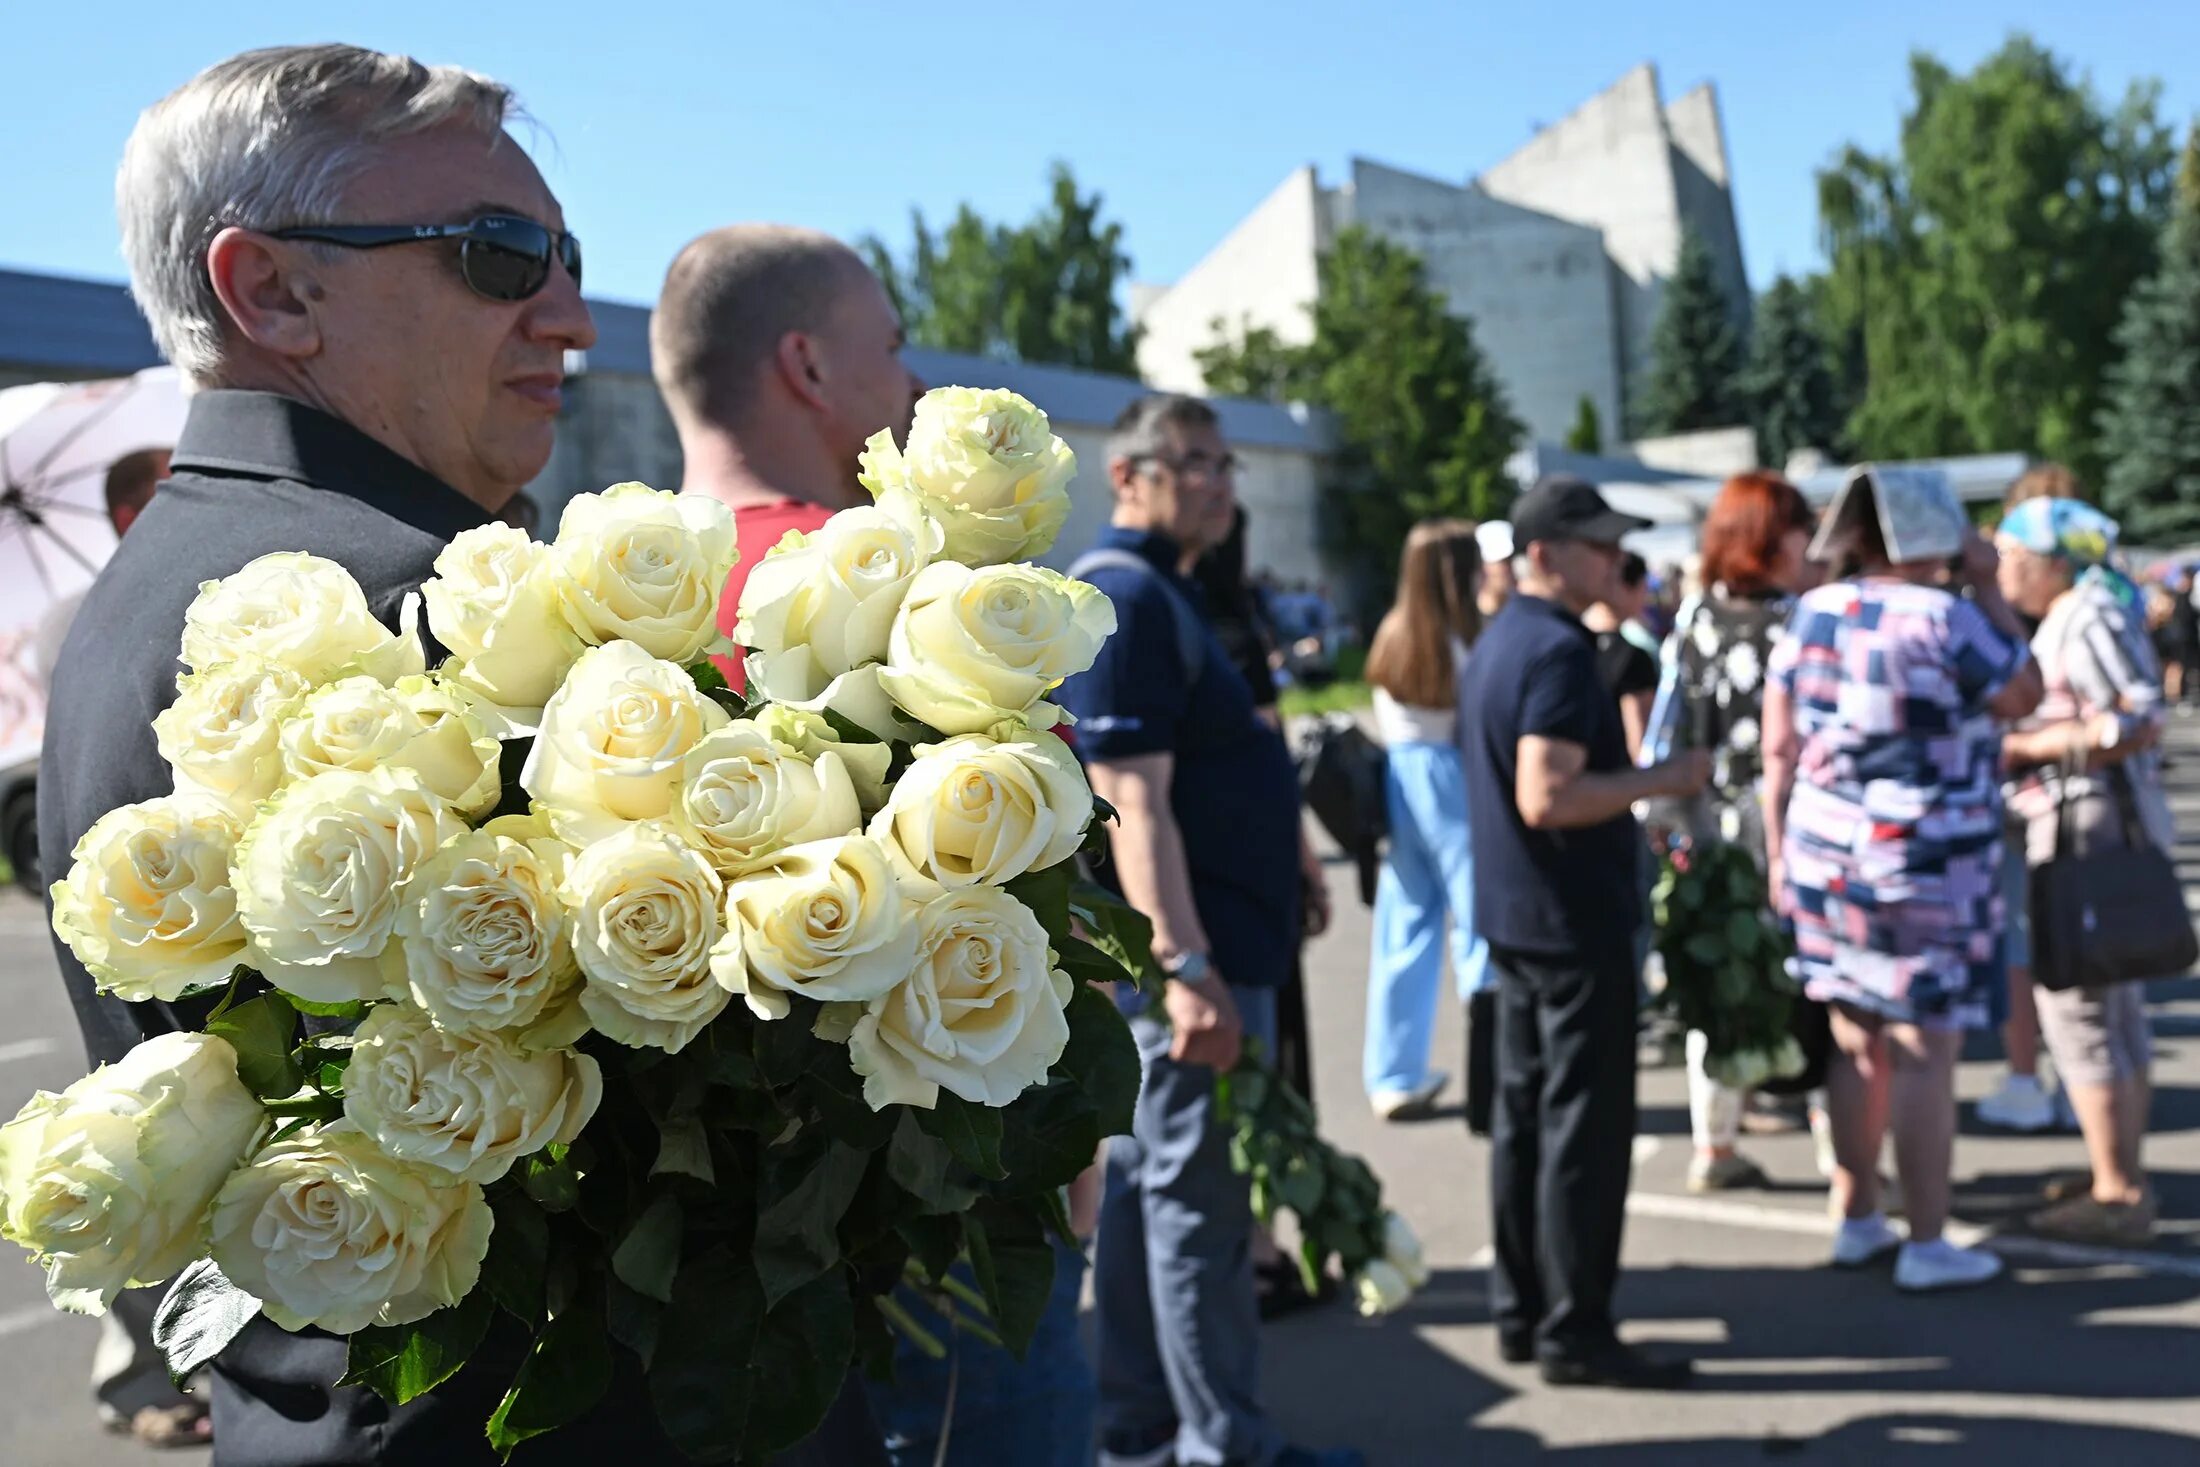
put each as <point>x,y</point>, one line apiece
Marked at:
<point>778,354</point>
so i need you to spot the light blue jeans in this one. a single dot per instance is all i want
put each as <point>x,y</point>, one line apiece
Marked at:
<point>1428,876</point>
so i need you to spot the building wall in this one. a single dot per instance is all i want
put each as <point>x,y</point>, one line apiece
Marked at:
<point>1705,188</point>
<point>1262,272</point>
<point>1536,289</point>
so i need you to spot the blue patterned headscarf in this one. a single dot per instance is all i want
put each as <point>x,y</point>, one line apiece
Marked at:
<point>2072,530</point>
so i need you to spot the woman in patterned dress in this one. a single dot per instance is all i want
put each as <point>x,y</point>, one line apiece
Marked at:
<point>1883,820</point>
<point>1755,543</point>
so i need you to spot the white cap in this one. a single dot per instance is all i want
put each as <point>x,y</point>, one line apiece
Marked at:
<point>1494,538</point>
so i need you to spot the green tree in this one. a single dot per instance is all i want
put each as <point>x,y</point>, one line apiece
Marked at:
<point>1257,363</point>
<point>1587,433</point>
<point>1977,274</point>
<point>1695,352</point>
<point>2150,426</point>
<point>1423,427</point>
<point>1788,383</point>
<point>1043,291</point>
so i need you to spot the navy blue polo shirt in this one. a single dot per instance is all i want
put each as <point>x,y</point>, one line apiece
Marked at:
<point>1234,791</point>
<point>1546,892</point>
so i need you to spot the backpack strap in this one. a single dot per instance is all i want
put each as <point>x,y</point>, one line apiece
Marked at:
<point>1191,630</point>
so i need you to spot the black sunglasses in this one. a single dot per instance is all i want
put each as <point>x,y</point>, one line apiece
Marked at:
<point>502,257</point>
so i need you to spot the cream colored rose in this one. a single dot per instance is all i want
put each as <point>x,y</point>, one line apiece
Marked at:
<point>108,1183</point>
<point>976,809</point>
<point>1380,1289</point>
<point>493,605</point>
<point>419,724</point>
<point>856,697</point>
<point>744,797</point>
<point>1402,1251</point>
<point>486,937</point>
<point>614,740</point>
<point>982,1014</point>
<point>302,611</point>
<point>640,565</point>
<point>470,1106</point>
<point>813,736</point>
<point>645,910</point>
<point>321,875</point>
<point>222,735</point>
<point>326,1228</point>
<point>973,649</point>
<point>823,604</point>
<point>829,921</point>
<point>985,464</point>
<point>147,905</point>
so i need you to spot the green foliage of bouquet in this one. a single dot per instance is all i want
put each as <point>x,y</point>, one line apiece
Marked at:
<point>1726,963</point>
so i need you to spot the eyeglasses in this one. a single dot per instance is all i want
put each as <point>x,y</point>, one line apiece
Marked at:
<point>1196,463</point>
<point>501,257</point>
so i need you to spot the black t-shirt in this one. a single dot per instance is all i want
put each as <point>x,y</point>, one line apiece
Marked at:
<point>1547,892</point>
<point>1623,667</point>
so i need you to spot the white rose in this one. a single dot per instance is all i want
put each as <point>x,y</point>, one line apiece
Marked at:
<point>985,464</point>
<point>108,1183</point>
<point>827,599</point>
<point>326,1228</point>
<point>302,611</point>
<point>493,605</point>
<point>222,735</point>
<point>982,1013</point>
<point>1381,1289</point>
<point>857,696</point>
<point>147,906</point>
<point>470,1106</point>
<point>1402,1251</point>
<point>485,934</point>
<point>744,797</point>
<point>418,724</point>
<point>645,916</point>
<point>321,874</point>
<point>973,649</point>
<point>640,565</point>
<point>613,742</point>
<point>813,736</point>
<point>829,921</point>
<point>975,809</point>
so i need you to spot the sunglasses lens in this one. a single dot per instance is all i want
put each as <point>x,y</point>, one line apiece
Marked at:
<point>569,253</point>
<point>506,259</point>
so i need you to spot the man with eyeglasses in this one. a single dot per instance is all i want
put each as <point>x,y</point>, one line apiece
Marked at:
<point>1208,846</point>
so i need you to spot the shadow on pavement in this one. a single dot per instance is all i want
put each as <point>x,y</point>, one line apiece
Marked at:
<point>1894,1439</point>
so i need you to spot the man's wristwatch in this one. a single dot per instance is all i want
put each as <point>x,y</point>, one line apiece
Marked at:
<point>1189,967</point>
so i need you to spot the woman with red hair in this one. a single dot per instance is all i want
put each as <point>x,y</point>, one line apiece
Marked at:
<point>1754,564</point>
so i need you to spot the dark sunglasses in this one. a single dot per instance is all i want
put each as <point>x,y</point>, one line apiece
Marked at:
<point>502,257</point>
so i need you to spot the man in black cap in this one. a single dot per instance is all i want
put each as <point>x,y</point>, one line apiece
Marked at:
<point>1550,792</point>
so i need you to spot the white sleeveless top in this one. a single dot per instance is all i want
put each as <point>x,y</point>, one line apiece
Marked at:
<point>1402,723</point>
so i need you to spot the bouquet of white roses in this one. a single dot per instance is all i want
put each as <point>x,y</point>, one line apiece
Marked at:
<point>555,980</point>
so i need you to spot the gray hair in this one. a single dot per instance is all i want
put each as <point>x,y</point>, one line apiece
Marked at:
<point>266,140</point>
<point>1142,429</point>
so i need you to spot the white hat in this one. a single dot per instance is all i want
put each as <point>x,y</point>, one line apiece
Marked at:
<point>1494,538</point>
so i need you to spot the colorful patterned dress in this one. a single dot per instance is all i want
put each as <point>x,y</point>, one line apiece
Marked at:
<point>1893,844</point>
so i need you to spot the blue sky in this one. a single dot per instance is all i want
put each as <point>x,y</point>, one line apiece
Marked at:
<point>664,119</point>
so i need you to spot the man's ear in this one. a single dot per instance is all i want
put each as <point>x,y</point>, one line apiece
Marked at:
<point>268,290</point>
<point>1122,472</point>
<point>800,364</point>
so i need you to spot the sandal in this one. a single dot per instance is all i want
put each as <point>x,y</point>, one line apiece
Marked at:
<point>2084,1220</point>
<point>165,1428</point>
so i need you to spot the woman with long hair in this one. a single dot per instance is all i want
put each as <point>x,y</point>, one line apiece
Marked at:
<point>1711,697</point>
<point>1427,872</point>
<point>1883,823</point>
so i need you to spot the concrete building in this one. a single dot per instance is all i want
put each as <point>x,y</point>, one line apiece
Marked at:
<point>1558,254</point>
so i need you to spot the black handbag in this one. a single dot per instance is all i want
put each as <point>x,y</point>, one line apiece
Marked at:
<point>2108,916</point>
<point>1341,780</point>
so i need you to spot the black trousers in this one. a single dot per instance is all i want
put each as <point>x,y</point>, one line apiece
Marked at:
<point>1562,1142</point>
<point>1481,1071</point>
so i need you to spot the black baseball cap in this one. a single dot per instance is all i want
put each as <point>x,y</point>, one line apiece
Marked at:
<point>1562,507</point>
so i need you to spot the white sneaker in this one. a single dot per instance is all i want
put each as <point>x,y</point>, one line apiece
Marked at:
<point>2021,1104</point>
<point>1923,1268</point>
<point>1410,1105</point>
<point>1860,1240</point>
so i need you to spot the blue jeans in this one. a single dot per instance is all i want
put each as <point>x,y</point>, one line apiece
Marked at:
<point>1179,1328</point>
<point>1037,1410</point>
<point>1428,875</point>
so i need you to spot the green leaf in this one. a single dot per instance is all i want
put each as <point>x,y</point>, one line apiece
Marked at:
<point>519,1256</point>
<point>1299,1186</point>
<point>1047,894</point>
<point>683,1146</point>
<point>918,1163</point>
<point>699,1380</point>
<point>972,1132</point>
<point>1088,964</point>
<point>1049,1135</point>
<point>1103,1058</point>
<point>262,1031</point>
<point>934,1241</point>
<point>708,679</point>
<point>837,1092</point>
<point>354,1009</point>
<point>632,1319</point>
<point>1706,948</point>
<point>401,1362</point>
<point>198,1317</point>
<point>566,1374</point>
<point>802,1355</point>
<point>1743,929</point>
<point>648,1257</point>
<point>1014,1265</point>
<point>550,1177</point>
<point>801,1201</point>
<point>1117,929</point>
